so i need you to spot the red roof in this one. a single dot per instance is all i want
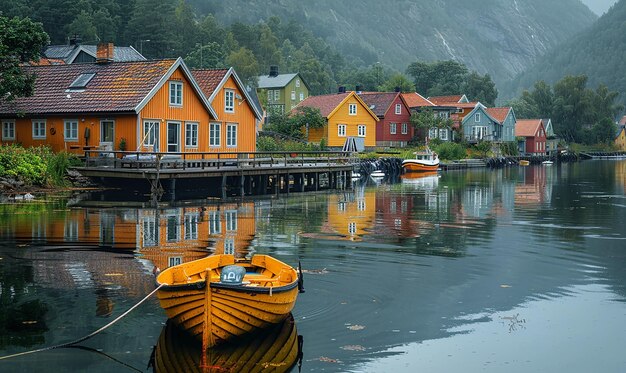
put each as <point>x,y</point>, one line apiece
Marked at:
<point>498,113</point>
<point>466,105</point>
<point>445,100</point>
<point>527,127</point>
<point>416,100</point>
<point>209,79</point>
<point>326,103</point>
<point>45,61</point>
<point>379,102</point>
<point>115,87</point>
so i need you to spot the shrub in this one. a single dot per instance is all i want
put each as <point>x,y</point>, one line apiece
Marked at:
<point>450,150</point>
<point>35,166</point>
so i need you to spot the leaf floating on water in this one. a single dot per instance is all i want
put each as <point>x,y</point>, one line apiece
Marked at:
<point>504,286</point>
<point>328,360</point>
<point>353,348</point>
<point>356,327</point>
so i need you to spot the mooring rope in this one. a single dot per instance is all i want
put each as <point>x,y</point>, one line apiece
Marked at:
<point>68,344</point>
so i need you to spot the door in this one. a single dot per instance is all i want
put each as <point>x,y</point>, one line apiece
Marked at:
<point>107,133</point>
<point>173,136</point>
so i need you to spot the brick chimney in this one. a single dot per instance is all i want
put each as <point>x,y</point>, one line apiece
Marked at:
<point>104,53</point>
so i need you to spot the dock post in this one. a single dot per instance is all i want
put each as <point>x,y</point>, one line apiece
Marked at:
<point>224,179</point>
<point>242,180</point>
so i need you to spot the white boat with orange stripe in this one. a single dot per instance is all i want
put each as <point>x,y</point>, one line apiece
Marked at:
<point>424,161</point>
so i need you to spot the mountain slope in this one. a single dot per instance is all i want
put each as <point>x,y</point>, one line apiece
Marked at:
<point>500,37</point>
<point>599,53</point>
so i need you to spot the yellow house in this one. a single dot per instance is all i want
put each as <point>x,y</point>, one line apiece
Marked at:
<point>620,139</point>
<point>347,117</point>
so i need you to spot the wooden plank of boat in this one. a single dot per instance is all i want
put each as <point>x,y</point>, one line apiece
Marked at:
<point>262,292</point>
<point>274,349</point>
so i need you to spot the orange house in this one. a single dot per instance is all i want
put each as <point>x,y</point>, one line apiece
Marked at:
<point>144,106</point>
<point>236,129</point>
<point>351,216</point>
<point>347,116</point>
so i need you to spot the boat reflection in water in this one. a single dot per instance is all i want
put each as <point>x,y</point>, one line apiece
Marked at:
<point>422,180</point>
<point>276,349</point>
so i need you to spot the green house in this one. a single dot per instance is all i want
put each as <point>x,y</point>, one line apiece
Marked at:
<point>281,92</point>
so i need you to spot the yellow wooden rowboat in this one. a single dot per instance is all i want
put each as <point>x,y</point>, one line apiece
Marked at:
<point>275,349</point>
<point>244,295</point>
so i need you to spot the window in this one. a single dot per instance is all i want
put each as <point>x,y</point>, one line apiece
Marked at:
<point>215,134</point>
<point>270,95</point>
<point>405,128</point>
<point>71,230</point>
<point>8,130</point>
<point>297,83</point>
<point>231,135</point>
<point>477,117</point>
<point>276,94</point>
<point>479,132</point>
<point>71,130</point>
<point>360,204</point>
<point>39,129</point>
<point>443,134</point>
<point>191,135</point>
<point>352,109</point>
<point>301,96</point>
<point>229,246</point>
<point>149,132</point>
<point>107,131</point>
<point>444,114</point>
<point>215,224</point>
<point>352,228</point>
<point>361,130</point>
<point>341,130</point>
<point>231,220</point>
<point>176,93</point>
<point>293,95</point>
<point>229,101</point>
<point>398,109</point>
<point>432,133</point>
<point>392,128</point>
<point>191,226</point>
<point>174,260</point>
<point>172,228</point>
<point>150,231</point>
<point>82,81</point>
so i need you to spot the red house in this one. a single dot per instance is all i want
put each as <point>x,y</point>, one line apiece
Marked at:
<point>534,133</point>
<point>394,126</point>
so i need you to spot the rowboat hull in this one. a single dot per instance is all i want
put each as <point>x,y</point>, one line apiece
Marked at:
<point>411,165</point>
<point>227,311</point>
<point>275,349</point>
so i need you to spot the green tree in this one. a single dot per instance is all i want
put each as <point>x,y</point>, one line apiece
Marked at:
<point>269,53</point>
<point>245,64</point>
<point>604,131</point>
<point>152,20</point>
<point>397,81</point>
<point>480,88</point>
<point>205,56</point>
<point>84,26</point>
<point>21,40</point>
<point>296,123</point>
<point>425,120</point>
<point>573,107</point>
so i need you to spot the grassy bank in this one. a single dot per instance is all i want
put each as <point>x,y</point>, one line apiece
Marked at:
<point>35,167</point>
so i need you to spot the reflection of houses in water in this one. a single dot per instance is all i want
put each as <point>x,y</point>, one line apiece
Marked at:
<point>351,215</point>
<point>172,236</point>
<point>534,190</point>
<point>620,174</point>
<point>394,215</point>
<point>477,200</point>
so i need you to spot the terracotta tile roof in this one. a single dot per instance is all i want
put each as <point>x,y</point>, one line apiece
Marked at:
<point>326,103</point>
<point>209,79</point>
<point>498,113</point>
<point>416,100</point>
<point>527,127</point>
<point>43,61</point>
<point>115,87</point>
<point>466,105</point>
<point>445,100</point>
<point>379,102</point>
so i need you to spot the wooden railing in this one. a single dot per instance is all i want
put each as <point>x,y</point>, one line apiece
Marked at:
<point>203,160</point>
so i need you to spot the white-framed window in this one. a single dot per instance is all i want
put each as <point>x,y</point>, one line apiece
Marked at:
<point>360,204</point>
<point>8,130</point>
<point>39,129</point>
<point>231,220</point>
<point>341,206</point>
<point>352,109</point>
<point>149,132</point>
<point>191,135</point>
<point>150,231</point>
<point>229,101</point>
<point>231,135</point>
<point>393,128</point>
<point>293,95</point>
<point>276,94</point>
<point>191,226</point>
<point>479,132</point>
<point>444,114</point>
<point>176,93</point>
<point>361,130</point>
<point>405,128</point>
<point>432,133</point>
<point>443,134</point>
<point>174,261</point>
<point>71,129</point>
<point>477,117</point>
<point>215,223</point>
<point>229,246</point>
<point>301,96</point>
<point>215,134</point>
<point>172,228</point>
<point>71,230</point>
<point>352,228</point>
<point>341,130</point>
<point>297,83</point>
<point>398,109</point>
<point>393,206</point>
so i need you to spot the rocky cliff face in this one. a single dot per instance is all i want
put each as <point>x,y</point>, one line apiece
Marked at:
<point>499,37</point>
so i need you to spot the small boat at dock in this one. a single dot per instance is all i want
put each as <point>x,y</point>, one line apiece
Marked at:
<point>219,298</point>
<point>524,162</point>
<point>377,174</point>
<point>547,163</point>
<point>423,162</point>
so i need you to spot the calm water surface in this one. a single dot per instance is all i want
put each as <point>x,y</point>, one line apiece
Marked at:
<point>517,270</point>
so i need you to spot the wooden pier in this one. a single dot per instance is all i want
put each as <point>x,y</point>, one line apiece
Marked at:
<point>219,174</point>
